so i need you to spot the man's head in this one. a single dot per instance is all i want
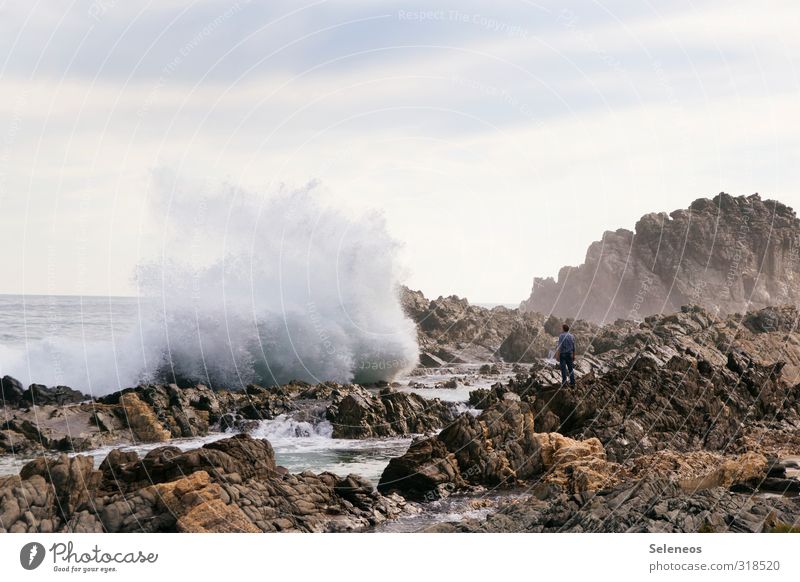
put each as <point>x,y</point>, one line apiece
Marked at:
<point>565,327</point>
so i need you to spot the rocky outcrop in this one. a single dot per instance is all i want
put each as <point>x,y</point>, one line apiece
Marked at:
<point>62,419</point>
<point>229,485</point>
<point>682,381</point>
<point>153,413</point>
<point>499,447</point>
<point>520,345</point>
<point>729,254</point>
<point>10,391</point>
<point>451,331</point>
<point>358,413</point>
<point>142,421</point>
<point>647,505</point>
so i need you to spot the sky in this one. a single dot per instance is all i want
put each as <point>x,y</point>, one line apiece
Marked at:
<point>496,139</point>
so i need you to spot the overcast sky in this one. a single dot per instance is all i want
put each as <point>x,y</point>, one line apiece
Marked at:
<point>498,139</point>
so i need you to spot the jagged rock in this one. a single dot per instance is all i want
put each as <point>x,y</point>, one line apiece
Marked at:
<point>360,414</point>
<point>577,466</point>
<point>10,391</point>
<point>450,330</point>
<point>489,369</point>
<point>696,470</point>
<point>647,505</point>
<point>142,421</point>
<point>499,447</point>
<point>42,395</point>
<point>229,485</point>
<point>74,479</point>
<point>728,254</point>
<point>428,360</point>
<point>199,506</point>
<point>519,345</point>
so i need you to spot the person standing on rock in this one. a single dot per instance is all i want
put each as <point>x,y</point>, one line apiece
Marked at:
<point>565,354</point>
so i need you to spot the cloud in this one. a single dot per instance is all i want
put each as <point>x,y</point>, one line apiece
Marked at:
<point>499,141</point>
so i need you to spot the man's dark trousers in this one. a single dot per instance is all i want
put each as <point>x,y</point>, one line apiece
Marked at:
<point>565,361</point>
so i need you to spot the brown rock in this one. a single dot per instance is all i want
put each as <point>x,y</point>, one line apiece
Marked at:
<point>143,423</point>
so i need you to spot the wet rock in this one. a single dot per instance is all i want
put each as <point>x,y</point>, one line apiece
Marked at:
<point>678,388</point>
<point>647,505</point>
<point>11,391</point>
<point>779,485</point>
<point>696,470</point>
<point>360,414</point>
<point>428,360</point>
<point>482,398</point>
<point>42,395</point>
<point>230,485</point>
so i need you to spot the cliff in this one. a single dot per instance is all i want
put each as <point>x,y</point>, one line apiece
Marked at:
<point>728,254</point>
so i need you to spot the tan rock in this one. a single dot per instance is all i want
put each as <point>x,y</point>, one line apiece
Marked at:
<point>698,470</point>
<point>214,516</point>
<point>746,467</point>
<point>577,465</point>
<point>142,421</point>
<point>198,506</point>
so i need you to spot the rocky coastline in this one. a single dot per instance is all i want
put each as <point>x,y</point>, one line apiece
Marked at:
<point>682,422</point>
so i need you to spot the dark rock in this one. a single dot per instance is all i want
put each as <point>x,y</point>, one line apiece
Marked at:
<point>40,395</point>
<point>499,447</point>
<point>429,360</point>
<point>360,414</point>
<point>638,506</point>
<point>230,485</point>
<point>520,344</point>
<point>11,391</point>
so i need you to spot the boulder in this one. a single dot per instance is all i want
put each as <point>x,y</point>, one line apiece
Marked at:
<point>520,344</point>
<point>11,391</point>
<point>360,414</point>
<point>142,421</point>
<point>229,485</point>
<point>498,448</point>
<point>40,395</point>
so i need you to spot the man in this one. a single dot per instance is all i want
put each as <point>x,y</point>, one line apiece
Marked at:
<point>565,354</point>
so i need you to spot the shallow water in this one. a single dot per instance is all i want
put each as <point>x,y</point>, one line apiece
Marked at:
<point>428,383</point>
<point>455,508</point>
<point>301,446</point>
<point>298,446</point>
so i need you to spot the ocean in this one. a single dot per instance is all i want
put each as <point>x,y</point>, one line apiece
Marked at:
<point>73,341</point>
<point>26,319</point>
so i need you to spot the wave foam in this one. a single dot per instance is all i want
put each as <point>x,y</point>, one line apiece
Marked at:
<point>249,289</point>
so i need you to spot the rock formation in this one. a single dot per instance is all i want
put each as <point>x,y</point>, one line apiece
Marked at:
<point>499,447</point>
<point>684,381</point>
<point>451,331</point>
<point>230,485</point>
<point>646,505</point>
<point>155,413</point>
<point>360,414</point>
<point>729,254</point>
